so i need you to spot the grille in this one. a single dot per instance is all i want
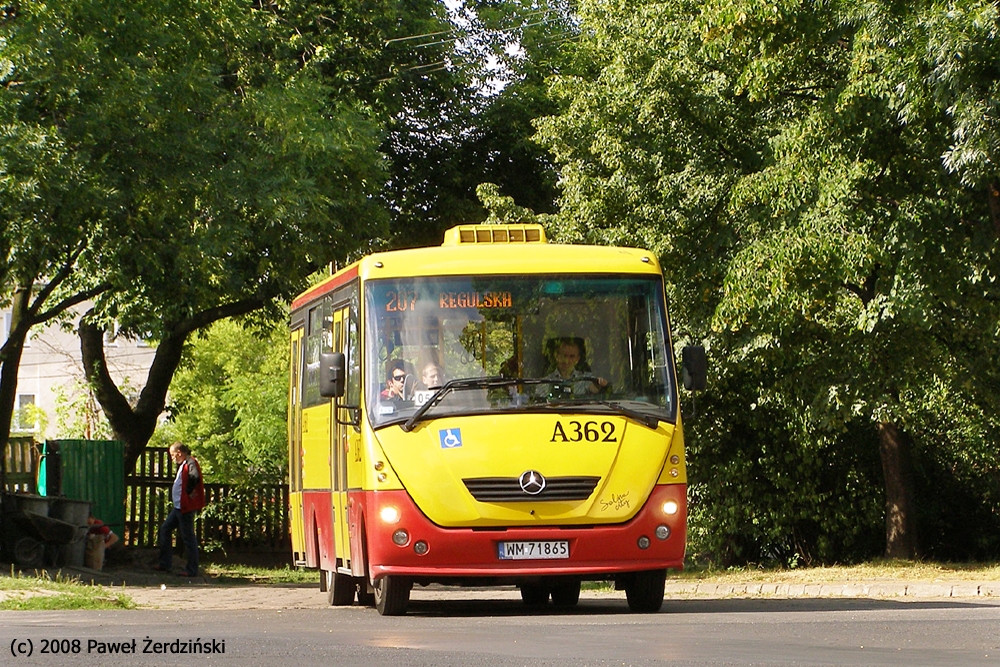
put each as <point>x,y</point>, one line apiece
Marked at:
<point>508,489</point>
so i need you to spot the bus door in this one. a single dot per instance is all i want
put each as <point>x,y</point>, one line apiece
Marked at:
<point>295,448</point>
<point>338,453</point>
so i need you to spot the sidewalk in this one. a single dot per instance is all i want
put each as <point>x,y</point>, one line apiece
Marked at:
<point>860,589</point>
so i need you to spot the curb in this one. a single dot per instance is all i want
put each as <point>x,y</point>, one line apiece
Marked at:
<point>879,589</point>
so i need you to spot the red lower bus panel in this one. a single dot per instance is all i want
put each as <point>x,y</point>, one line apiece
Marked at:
<point>317,515</point>
<point>467,552</point>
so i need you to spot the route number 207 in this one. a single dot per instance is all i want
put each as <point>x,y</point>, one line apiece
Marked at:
<point>590,431</point>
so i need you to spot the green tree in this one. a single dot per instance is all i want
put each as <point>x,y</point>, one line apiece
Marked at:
<point>229,402</point>
<point>785,160</point>
<point>176,173</point>
<point>475,125</point>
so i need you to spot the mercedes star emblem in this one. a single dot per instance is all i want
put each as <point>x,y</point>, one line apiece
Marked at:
<point>532,482</point>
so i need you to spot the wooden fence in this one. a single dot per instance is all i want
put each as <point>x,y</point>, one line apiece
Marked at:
<point>235,518</point>
<point>22,465</point>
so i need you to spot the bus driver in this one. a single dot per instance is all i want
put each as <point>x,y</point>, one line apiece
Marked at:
<point>567,356</point>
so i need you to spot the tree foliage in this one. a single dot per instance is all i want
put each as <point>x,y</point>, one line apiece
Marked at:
<point>229,403</point>
<point>818,180</point>
<point>177,173</point>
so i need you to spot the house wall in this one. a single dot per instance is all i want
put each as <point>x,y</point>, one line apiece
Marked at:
<point>51,365</point>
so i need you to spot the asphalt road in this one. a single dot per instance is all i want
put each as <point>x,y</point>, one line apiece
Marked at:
<point>503,633</point>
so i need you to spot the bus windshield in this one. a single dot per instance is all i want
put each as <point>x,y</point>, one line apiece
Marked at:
<point>506,343</point>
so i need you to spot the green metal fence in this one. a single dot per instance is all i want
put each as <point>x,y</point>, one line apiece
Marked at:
<point>91,470</point>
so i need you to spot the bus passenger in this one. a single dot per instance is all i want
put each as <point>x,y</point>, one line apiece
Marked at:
<point>394,381</point>
<point>568,354</point>
<point>432,376</point>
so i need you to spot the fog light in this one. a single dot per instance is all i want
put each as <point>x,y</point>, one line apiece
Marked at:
<point>675,459</point>
<point>420,548</point>
<point>662,532</point>
<point>674,472</point>
<point>389,514</point>
<point>670,507</point>
<point>643,542</point>
<point>382,477</point>
<point>400,537</point>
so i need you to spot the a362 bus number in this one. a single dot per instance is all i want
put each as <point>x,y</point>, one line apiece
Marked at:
<point>589,431</point>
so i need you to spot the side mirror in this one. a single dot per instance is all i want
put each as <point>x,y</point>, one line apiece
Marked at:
<point>332,374</point>
<point>694,368</point>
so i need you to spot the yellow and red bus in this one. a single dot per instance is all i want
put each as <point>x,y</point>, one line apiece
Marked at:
<point>494,410</point>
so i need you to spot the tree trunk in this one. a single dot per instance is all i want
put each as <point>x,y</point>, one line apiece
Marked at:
<point>900,519</point>
<point>10,362</point>
<point>134,426</point>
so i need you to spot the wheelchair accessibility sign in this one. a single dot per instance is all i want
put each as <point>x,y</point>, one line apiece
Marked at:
<point>450,438</point>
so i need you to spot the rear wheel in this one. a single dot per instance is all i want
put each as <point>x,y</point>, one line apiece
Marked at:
<point>339,588</point>
<point>392,595</point>
<point>534,595</point>
<point>566,594</point>
<point>645,591</point>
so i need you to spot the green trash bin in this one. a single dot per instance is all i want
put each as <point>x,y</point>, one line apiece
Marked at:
<point>89,470</point>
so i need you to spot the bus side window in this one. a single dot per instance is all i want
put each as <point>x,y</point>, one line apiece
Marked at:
<point>353,396</point>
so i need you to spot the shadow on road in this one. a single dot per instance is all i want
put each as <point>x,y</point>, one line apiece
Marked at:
<point>486,607</point>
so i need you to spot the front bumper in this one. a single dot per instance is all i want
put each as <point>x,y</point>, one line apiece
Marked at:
<point>595,551</point>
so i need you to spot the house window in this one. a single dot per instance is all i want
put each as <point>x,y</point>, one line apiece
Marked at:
<point>111,336</point>
<point>25,419</point>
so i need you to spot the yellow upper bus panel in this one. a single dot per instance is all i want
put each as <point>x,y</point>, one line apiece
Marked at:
<point>466,251</point>
<point>507,259</point>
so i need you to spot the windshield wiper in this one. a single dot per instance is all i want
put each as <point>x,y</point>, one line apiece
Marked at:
<point>463,383</point>
<point>647,420</point>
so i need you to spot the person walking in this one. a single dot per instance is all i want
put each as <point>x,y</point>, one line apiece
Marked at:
<point>188,496</point>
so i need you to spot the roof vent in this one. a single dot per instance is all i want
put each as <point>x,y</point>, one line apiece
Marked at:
<point>494,234</point>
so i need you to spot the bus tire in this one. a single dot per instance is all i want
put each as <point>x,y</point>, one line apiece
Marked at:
<point>566,594</point>
<point>534,595</point>
<point>644,591</point>
<point>392,595</point>
<point>364,597</point>
<point>339,588</point>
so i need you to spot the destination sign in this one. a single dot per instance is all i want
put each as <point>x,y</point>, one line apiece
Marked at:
<point>403,300</point>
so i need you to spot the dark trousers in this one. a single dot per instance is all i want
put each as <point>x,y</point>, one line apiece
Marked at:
<point>166,542</point>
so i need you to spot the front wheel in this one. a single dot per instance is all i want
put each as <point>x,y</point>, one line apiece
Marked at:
<point>339,588</point>
<point>645,591</point>
<point>392,595</point>
<point>566,594</point>
<point>534,595</point>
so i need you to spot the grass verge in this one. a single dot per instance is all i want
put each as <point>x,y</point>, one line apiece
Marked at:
<point>34,593</point>
<point>237,575</point>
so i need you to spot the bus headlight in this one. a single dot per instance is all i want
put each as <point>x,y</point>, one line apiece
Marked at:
<point>643,542</point>
<point>670,507</point>
<point>420,548</point>
<point>400,537</point>
<point>662,532</point>
<point>389,514</point>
